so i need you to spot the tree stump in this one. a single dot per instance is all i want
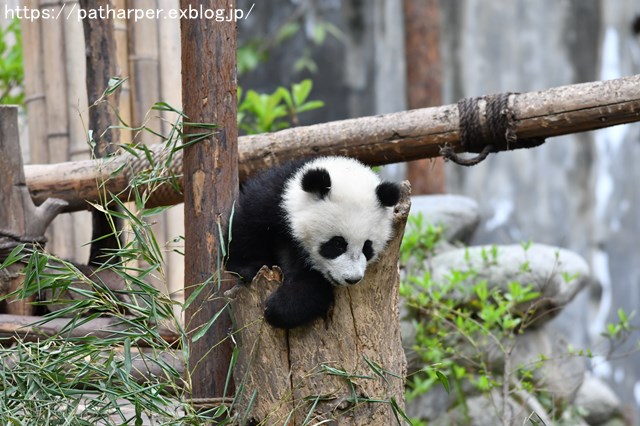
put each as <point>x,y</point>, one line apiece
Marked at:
<point>348,369</point>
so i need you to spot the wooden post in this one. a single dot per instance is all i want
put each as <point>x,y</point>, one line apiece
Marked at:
<point>424,83</point>
<point>20,220</point>
<point>210,187</point>
<point>100,49</point>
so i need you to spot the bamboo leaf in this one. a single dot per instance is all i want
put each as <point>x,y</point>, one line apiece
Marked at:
<point>197,336</point>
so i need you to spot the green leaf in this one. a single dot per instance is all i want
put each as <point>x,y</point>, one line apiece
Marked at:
<point>127,355</point>
<point>308,106</point>
<point>197,336</point>
<point>301,91</point>
<point>443,379</point>
<point>287,31</point>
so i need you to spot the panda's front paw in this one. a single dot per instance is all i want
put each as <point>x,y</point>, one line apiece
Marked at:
<point>277,314</point>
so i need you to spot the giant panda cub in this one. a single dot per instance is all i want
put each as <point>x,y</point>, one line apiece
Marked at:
<point>322,221</point>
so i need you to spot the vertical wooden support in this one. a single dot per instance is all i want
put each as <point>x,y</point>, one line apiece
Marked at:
<point>424,83</point>
<point>210,185</point>
<point>101,65</point>
<point>20,220</point>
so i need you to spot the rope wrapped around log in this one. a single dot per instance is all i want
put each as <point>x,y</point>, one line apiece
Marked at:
<point>487,124</point>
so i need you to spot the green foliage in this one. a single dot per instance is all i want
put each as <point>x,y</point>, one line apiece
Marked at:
<point>462,324</point>
<point>11,66</point>
<point>261,113</point>
<point>256,51</point>
<point>622,328</point>
<point>264,112</point>
<point>420,239</point>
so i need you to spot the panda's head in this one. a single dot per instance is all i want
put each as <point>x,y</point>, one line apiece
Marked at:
<point>340,213</point>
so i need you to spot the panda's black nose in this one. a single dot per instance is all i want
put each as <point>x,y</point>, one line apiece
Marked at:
<point>356,281</point>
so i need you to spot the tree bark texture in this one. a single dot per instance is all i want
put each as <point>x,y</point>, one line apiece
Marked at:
<point>324,371</point>
<point>210,188</point>
<point>383,139</point>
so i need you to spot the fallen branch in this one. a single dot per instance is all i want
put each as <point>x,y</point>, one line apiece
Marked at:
<point>382,139</point>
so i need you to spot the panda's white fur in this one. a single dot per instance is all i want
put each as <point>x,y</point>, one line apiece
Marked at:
<point>322,221</point>
<point>351,209</point>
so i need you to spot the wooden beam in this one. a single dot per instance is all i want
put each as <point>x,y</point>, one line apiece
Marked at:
<point>210,188</point>
<point>24,327</point>
<point>382,139</point>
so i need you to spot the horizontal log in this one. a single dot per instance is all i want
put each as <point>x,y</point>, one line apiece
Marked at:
<point>22,326</point>
<point>382,139</point>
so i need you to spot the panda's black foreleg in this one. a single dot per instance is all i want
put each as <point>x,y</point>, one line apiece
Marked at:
<point>300,299</point>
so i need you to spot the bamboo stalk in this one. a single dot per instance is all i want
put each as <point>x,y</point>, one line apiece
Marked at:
<point>170,73</point>
<point>57,140</point>
<point>383,139</point>
<point>122,58</point>
<point>145,69</point>
<point>77,106</point>
<point>34,87</point>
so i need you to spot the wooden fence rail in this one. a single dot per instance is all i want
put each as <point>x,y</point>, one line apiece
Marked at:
<point>382,139</point>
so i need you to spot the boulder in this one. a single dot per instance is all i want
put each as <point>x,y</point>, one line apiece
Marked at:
<point>557,274</point>
<point>599,403</point>
<point>457,215</point>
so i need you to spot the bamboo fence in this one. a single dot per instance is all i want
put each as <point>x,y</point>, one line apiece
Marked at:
<point>57,108</point>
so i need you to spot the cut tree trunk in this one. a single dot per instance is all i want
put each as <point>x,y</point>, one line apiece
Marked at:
<point>349,368</point>
<point>384,139</point>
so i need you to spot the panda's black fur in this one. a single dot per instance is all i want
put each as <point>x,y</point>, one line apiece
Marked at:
<point>265,232</point>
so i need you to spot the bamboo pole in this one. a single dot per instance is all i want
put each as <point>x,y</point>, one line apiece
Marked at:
<point>383,139</point>
<point>34,87</point>
<point>77,106</point>
<point>57,113</point>
<point>145,74</point>
<point>171,92</point>
<point>120,30</point>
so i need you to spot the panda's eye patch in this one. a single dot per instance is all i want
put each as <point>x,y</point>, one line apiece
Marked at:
<point>333,248</point>
<point>367,250</point>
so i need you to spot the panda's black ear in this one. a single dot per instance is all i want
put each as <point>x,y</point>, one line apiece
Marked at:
<point>388,194</point>
<point>316,181</point>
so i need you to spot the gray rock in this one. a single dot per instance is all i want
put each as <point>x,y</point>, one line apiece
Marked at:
<point>557,274</point>
<point>599,402</point>
<point>560,374</point>
<point>484,410</point>
<point>459,216</point>
<point>431,404</point>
